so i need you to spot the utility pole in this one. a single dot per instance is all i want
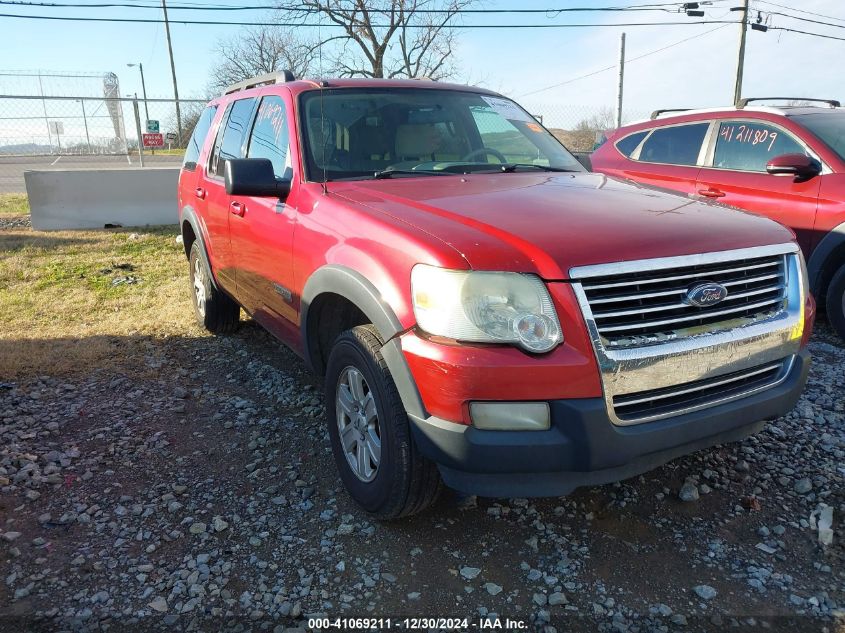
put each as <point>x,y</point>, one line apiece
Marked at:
<point>740,62</point>
<point>173,71</point>
<point>621,84</point>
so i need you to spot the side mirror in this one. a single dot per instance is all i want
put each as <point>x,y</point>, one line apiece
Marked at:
<point>799,166</point>
<point>253,177</point>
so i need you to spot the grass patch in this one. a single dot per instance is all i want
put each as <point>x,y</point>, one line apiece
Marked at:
<point>72,300</point>
<point>13,204</point>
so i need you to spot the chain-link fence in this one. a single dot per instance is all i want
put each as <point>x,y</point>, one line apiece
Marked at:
<point>580,127</point>
<point>86,132</point>
<point>67,132</point>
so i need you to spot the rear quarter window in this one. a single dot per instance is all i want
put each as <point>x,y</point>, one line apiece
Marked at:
<point>628,144</point>
<point>195,145</point>
<point>676,145</point>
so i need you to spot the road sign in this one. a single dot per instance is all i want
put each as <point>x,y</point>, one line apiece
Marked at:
<point>153,140</point>
<point>170,136</point>
<point>152,126</point>
<point>57,127</point>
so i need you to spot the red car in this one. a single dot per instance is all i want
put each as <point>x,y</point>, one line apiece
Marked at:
<point>786,163</point>
<point>484,311</point>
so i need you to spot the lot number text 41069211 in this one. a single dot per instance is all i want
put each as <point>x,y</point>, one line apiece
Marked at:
<point>412,624</point>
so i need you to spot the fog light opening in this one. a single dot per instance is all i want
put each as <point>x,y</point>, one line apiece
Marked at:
<point>510,416</point>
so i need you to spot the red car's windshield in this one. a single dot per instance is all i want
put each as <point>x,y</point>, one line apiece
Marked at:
<point>354,133</point>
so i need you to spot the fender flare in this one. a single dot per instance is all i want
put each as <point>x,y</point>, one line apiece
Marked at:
<point>834,239</point>
<point>353,286</point>
<point>188,214</point>
<point>357,289</point>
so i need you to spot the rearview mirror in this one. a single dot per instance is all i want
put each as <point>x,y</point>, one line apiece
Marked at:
<point>253,177</point>
<point>799,166</point>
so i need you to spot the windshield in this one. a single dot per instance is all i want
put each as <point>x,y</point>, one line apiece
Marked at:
<point>352,133</point>
<point>828,126</point>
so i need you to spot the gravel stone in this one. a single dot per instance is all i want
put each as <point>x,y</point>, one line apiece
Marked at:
<point>689,492</point>
<point>705,592</point>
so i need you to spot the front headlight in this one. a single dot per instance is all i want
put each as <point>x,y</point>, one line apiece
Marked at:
<point>485,307</point>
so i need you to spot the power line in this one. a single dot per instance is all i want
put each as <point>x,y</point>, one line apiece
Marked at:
<point>375,26</point>
<point>627,61</point>
<point>788,30</point>
<point>264,7</point>
<point>818,15</point>
<point>796,17</point>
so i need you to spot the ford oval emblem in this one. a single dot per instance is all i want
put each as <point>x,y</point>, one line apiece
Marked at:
<point>706,295</point>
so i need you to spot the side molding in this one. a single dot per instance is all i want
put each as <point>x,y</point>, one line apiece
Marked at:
<point>815,267</point>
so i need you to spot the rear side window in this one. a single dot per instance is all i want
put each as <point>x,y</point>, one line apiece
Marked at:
<point>630,142</point>
<point>676,145</point>
<point>270,136</point>
<point>192,152</point>
<point>230,144</point>
<point>746,146</point>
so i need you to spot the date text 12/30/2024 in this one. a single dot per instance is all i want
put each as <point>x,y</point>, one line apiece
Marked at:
<point>412,624</point>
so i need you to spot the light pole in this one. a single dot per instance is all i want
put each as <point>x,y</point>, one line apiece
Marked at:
<point>85,121</point>
<point>143,88</point>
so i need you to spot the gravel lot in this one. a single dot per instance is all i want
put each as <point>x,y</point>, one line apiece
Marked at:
<point>197,491</point>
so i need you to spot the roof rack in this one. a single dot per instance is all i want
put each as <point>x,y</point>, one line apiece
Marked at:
<point>278,77</point>
<point>833,103</point>
<point>657,113</point>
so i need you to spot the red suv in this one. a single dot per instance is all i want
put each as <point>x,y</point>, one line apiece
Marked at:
<point>787,163</point>
<point>484,311</point>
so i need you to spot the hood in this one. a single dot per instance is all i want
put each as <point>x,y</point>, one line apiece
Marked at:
<point>547,223</point>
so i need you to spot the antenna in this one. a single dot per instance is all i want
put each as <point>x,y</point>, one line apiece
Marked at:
<point>322,118</point>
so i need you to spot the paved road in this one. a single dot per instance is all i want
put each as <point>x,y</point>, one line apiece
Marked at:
<point>13,167</point>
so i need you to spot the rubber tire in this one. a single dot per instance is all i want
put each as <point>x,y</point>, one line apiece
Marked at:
<point>834,302</point>
<point>406,482</point>
<point>222,314</point>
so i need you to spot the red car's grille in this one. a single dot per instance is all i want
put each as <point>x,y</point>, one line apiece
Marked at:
<point>653,306</point>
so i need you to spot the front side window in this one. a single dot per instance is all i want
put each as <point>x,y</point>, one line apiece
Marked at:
<point>675,145</point>
<point>192,152</point>
<point>747,146</point>
<point>352,133</point>
<point>270,137</point>
<point>230,144</point>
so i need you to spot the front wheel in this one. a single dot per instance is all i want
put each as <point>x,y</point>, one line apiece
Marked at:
<point>380,466</point>
<point>835,304</point>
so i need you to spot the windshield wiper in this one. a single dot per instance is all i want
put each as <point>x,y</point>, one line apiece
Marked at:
<point>509,167</point>
<point>389,173</point>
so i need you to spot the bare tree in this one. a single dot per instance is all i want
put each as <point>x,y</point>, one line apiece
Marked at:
<point>401,38</point>
<point>582,138</point>
<point>259,51</point>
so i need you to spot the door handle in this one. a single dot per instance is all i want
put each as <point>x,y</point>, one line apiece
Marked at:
<point>237,208</point>
<point>711,193</point>
<point>199,192</point>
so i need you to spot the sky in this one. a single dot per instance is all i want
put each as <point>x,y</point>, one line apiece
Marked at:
<point>521,63</point>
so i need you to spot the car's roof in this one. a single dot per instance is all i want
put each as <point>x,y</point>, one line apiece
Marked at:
<point>678,116</point>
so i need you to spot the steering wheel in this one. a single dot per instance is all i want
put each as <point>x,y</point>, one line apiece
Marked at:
<point>484,151</point>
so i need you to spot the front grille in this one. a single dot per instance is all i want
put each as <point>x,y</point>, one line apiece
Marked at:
<point>639,308</point>
<point>673,400</point>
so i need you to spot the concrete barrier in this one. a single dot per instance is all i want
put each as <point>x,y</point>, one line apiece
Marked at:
<point>93,199</point>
